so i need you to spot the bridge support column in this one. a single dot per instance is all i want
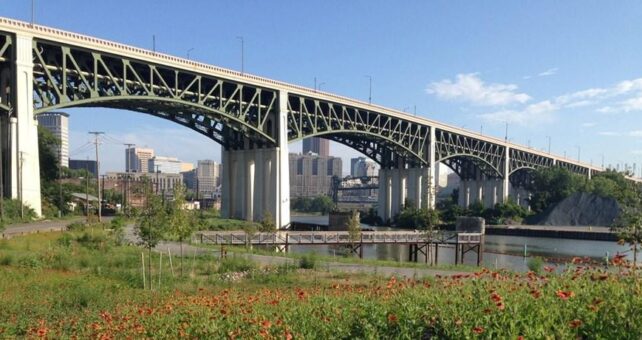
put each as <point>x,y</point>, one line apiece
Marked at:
<point>506,175</point>
<point>257,180</point>
<point>25,166</point>
<point>385,197</point>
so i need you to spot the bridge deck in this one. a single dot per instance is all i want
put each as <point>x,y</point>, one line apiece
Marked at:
<point>282,238</point>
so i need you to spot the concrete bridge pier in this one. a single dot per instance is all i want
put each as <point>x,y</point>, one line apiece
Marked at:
<point>400,185</point>
<point>256,180</point>
<point>24,168</point>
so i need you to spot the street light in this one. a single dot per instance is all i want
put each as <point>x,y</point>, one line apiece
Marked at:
<point>188,51</point>
<point>321,83</point>
<point>549,144</point>
<point>242,53</point>
<point>579,149</point>
<point>370,89</point>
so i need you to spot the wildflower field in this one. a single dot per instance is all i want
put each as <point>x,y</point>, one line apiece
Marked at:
<point>63,286</point>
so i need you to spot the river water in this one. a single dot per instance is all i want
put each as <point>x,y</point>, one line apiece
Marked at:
<point>499,251</point>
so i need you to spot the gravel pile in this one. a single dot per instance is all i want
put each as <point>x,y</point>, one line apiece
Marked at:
<point>579,209</point>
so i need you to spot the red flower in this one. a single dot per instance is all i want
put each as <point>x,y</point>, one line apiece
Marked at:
<point>575,323</point>
<point>577,260</point>
<point>501,306</point>
<point>478,330</point>
<point>565,295</point>
<point>549,269</point>
<point>536,293</point>
<point>392,318</point>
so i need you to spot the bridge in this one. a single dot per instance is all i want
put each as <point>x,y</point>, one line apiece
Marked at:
<point>253,118</point>
<point>418,242</point>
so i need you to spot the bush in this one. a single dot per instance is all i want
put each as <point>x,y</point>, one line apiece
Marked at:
<point>96,241</point>
<point>65,240</point>
<point>6,260</point>
<point>535,264</point>
<point>76,226</point>
<point>235,264</point>
<point>308,261</point>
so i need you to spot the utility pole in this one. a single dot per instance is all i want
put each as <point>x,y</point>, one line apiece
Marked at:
<point>127,171</point>
<point>157,172</point>
<point>22,205</point>
<point>100,201</point>
<point>33,11</point>
<point>60,180</point>
<point>242,54</point>
<point>87,190</point>
<point>154,42</point>
<point>2,176</point>
<point>188,51</point>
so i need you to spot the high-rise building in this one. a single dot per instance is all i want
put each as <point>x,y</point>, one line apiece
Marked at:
<point>187,167</point>
<point>58,124</point>
<point>311,174</point>
<point>137,159</point>
<point>207,175</point>
<point>81,164</point>
<point>316,145</point>
<point>362,167</point>
<point>166,165</point>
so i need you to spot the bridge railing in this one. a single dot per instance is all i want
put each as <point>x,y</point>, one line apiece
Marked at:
<point>332,237</point>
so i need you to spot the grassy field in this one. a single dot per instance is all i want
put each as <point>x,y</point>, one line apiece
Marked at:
<point>83,285</point>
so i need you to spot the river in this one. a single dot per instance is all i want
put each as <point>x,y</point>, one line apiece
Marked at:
<point>499,251</point>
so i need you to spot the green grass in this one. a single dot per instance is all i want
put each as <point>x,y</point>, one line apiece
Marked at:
<point>82,284</point>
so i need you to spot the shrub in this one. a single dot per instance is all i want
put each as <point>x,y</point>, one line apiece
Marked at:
<point>535,264</point>
<point>308,261</point>
<point>76,226</point>
<point>235,264</point>
<point>96,241</point>
<point>6,260</point>
<point>65,240</point>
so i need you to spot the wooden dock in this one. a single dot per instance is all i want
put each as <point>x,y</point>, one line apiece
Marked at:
<point>418,242</point>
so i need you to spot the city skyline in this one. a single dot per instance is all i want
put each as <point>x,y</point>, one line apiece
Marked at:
<point>564,86</point>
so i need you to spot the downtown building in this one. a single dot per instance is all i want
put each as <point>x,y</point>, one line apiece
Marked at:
<point>320,146</point>
<point>166,165</point>
<point>58,124</point>
<point>363,167</point>
<point>137,159</point>
<point>311,174</point>
<point>205,180</point>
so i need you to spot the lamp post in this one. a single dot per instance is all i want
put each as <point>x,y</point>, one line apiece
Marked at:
<point>579,149</point>
<point>369,89</point>
<point>242,54</point>
<point>549,144</point>
<point>188,52</point>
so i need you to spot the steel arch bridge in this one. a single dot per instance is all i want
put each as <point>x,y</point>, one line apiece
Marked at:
<point>44,69</point>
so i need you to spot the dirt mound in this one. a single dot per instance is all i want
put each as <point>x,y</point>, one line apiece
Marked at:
<point>581,209</point>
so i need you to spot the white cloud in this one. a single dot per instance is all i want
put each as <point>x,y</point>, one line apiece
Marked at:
<point>541,112</point>
<point>635,133</point>
<point>549,72</point>
<point>470,88</point>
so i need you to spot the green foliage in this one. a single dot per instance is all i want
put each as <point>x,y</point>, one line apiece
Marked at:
<point>151,224</point>
<point>181,221</point>
<point>423,219</point>
<point>76,226</point>
<point>235,264</point>
<point>267,223</point>
<point>48,154</point>
<point>320,204</point>
<point>117,225</point>
<point>308,261</point>
<point>552,185</point>
<point>353,225</point>
<point>535,264</point>
<point>12,212</point>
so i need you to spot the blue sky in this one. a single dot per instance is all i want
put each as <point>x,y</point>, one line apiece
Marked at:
<point>570,70</point>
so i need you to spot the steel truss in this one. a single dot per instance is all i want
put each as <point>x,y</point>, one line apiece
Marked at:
<point>6,51</point>
<point>237,114</point>
<point>465,154</point>
<point>372,133</point>
<point>226,111</point>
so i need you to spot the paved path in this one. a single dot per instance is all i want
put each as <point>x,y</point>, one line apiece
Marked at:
<point>37,226</point>
<point>555,228</point>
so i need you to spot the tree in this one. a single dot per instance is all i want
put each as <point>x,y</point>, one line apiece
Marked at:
<point>322,204</point>
<point>354,228</point>
<point>151,223</point>
<point>181,223</point>
<point>629,224</point>
<point>267,223</point>
<point>552,185</point>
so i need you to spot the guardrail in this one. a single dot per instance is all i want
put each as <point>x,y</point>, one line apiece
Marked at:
<point>333,237</point>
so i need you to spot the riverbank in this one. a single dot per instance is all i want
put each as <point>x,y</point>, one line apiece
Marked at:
<point>559,232</point>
